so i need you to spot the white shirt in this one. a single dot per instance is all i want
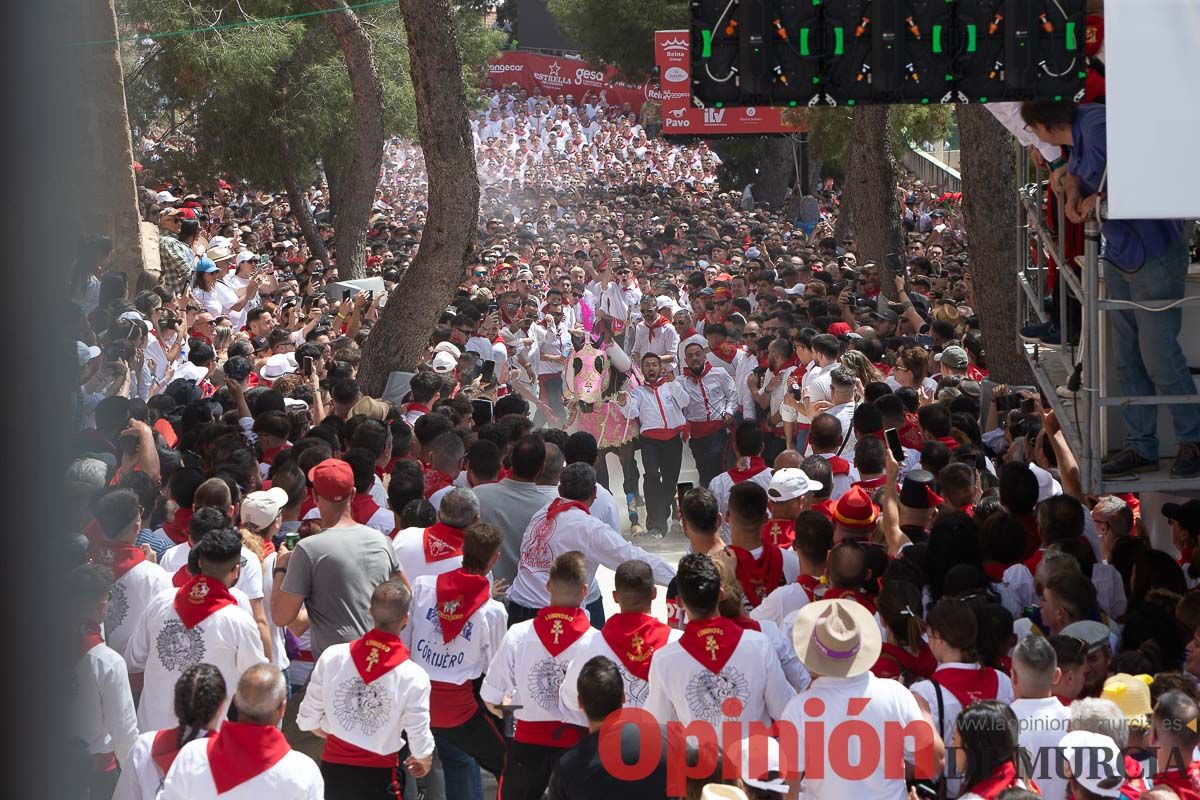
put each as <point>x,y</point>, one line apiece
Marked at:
<point>524,671</point>
<point>658,408</point>
<point>409,545</point>
<point>816,385</point>
<point>721,485</point>
<point>620,303</point>
<point>780,603</point>
<point>951,707</point>
<point>1042,723</point>
<point>664,342</point>
<point>370,716</point>
<point>888,703</point>
<point>250,581</point>
<point>681,688</point>
<point>140,778</point>
<point>128,598</point>
<point>163,648</point>
<point>104,715</point>
<point>278,649</point>
<point>466,656</point>
<point>718,398</point>
<point>295,777</point>
<point>636,689</point>
<point>795,672</point>
<point>573,530</point>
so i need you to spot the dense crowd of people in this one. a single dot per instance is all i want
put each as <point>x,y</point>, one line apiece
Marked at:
<point>288,586</point>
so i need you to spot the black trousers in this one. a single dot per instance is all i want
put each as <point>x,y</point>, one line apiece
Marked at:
<point>661,461</point>
<point>480,738</point>
<point>626,453</point>
<point>709,452</point>
<point>527,773</point>
<point>346,782</point>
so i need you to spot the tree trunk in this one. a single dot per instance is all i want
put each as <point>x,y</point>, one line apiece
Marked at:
<point>109,183</point>
<point>308,225</point>
<point>775,172</point>
<point>870,213</point>
<point>989,184</point>
<point>398,340</point>
<point>362,176</point>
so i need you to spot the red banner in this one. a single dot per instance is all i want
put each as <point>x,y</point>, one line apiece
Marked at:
<point>567,76</point>
<point>672,54</point>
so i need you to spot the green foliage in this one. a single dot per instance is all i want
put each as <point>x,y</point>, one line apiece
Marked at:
<point>619,32</point>
<point>829,130</point>
<point>239,94</point>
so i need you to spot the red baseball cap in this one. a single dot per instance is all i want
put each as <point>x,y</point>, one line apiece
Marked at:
<point>332,479</point>
<point>838,329</point>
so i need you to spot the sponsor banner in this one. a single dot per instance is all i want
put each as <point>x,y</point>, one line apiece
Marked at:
<point>573,78</point>
<point>672,54</point>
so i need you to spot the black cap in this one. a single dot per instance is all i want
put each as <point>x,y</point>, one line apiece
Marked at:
<point>917,491</point>
<point>886,314</point>
<point>1186,514</point>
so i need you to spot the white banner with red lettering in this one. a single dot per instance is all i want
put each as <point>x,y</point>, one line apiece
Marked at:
<point>567,76</point>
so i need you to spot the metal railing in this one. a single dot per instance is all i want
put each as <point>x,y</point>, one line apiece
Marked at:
<point>1084,420</point>
<point>930,171</point>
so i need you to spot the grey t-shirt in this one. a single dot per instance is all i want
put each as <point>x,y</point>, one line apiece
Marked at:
<point>336,572</point>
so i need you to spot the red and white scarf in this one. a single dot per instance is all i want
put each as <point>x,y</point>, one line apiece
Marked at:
<point>967,684</point>
<point>377,653</point>
<point>120,557</point>
<point>441,541</point>
<point>635,637</point>
<point>459,595</point>
<point>558,628</point>
<point>759,576</point>
<point>747,468</point>
<point>363,507</point>
<point>779,532</point>
<point>711,641</point>
<point>177,527</point>
<point>199,598</point>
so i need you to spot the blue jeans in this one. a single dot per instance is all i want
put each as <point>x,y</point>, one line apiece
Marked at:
<point>460,770</point>
<point>1156,365</point>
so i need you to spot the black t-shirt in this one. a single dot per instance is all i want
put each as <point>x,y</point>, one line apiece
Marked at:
<point>580,775</point>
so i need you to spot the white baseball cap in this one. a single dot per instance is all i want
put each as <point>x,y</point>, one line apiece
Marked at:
<point>790,483</point>
<point>449,348</point>
<point>261,508</point>
<point>443,362</point>
<point>1099,762</point>
<point>165,197</point>
<point>245,256</point>
<point>279,364</point>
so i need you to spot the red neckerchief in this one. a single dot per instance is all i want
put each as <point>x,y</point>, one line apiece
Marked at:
<point>120,557</point>
<point>1004,777</point>
<point>699,378</point>
<point>1185,557</point>
<point>558,628</point>
<point>910,435</point>
<point>362,508</point>
<point>747,624</point>
<point>241,751</point>
<point>815,585</point>
<point>459,595</point>
<point>377,653</point>
<point>435,479</point>
<point>791,363</point>
<point>200,597</point>
<point>740,474</point>
<point>726,351</point>
<point>863,599</point>
<point>1135,782</point>
<point>164,748</point>
<point>759,577</point>
<point>1186,784</point>
<point>176,528</point>
<point>824,507</point>
<point>689,332</point>
<point>995,570</point>
<point>949,441</point>
<point>871,484</point>
<point>268,455</point>
<point>779,532</point>
<point>894,660</point>
<point>711,641</point>
<point>440,541</point>
<point>635,637</point>
<point>969,685</point>
<point>424,409</point>
<point>653,326</point>
<point>90,636</point>
<point>557,506</point>
<point>838,465</point>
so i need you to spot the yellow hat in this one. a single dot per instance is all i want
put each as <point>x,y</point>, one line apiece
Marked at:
<point>1131,693</point>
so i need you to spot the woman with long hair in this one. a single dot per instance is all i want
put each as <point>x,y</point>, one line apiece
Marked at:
<point>987,752</point>
<point>905,655</point>
<point>200,706</point>
<point>733,606</point>
<point>858,363</point>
